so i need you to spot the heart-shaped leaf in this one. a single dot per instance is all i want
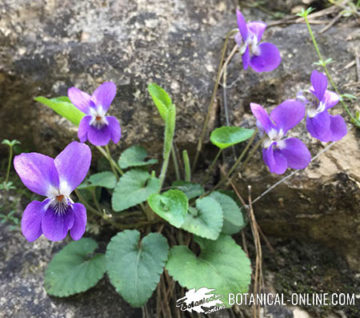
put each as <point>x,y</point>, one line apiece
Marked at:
<point>104,179</point>
<point>134,187</point>
<point>74,269</point>
<point>233,217</point>
<point>222,265</point>
<point>63,107</point>
<point>206,220</point>
<point>192,190</point>
<point>135,156</point>
<point>226,136</point>
<point>161,99</point>
<point>171,205</point>
<point>134,267</point>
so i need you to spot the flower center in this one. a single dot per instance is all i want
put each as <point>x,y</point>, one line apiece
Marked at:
<point>98,119</point>
<point>275,136</point>
<point>252,42</point>
<point>60,197</point>
<point>315,107</point>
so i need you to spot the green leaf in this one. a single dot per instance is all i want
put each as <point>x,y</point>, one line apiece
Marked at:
<point>224,137</point>
<point>304,13</point>
<point>63,107</point>
<point>134,267</point>
<point>192,190</point>
<point>348,96</point>
<point>74,269</point>
<point>135,156</point>
<point>104,179</point>
<point>171,205</point>
<point>161,99</point>
<point>134,187</point>
<point>206,220</point>
<point>233,217</point>
<point>222,265</point>
<point>11,143</point>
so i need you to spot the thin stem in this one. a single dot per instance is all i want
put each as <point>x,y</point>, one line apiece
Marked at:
<point>356,121</point>
<point>238,161</point>
<point>113,164</point>
<point>212,100</point>
<point>168,142</point>
<point>107,155</point>
<point>107,219</point>
<point>9,164</point>
<point>256,147</point>
<point>212,165</point>
<point>87,205</point>
<point>176,163</point>
<point>187,166</point>
<point>93,194</point>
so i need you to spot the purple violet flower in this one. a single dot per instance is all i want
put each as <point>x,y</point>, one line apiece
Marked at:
<point>55,179</point>
<point>319,122</point>
<point>95,126</point>
<point>279,152</point>
<point>262,57</point>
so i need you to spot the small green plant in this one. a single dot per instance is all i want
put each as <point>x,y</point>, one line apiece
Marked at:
<point>6,184</point>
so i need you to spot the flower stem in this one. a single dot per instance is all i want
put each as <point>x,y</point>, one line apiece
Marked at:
<point>187,166</point>
<point>107,218</point>
<point>93,194</point>
<point>238,161</point>
<point>113,164</point>
<point>168,142</point>
<point>212,100</point>
<point>176,163</point>
<point>212,165</point>
<point>323,64</point>
<point>9,164</point>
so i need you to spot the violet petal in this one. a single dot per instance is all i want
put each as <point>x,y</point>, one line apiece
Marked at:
<point>288,114</point>
<point>37,172</point>
<point>268,59</point>
<point>104,95</point>
<point>319,83</point>
<point>319,126</point>
<point>73,164</point>
<point>80,99</point>
<point>115,129</point>
<point>257,28</point>
<point>246,58</point>
<point>296,153</point>
<point>337,127</point>
<point>275,160</point>
<point>78,228</point>
<point>83,128</point>
<point>31,220</point>
<point>330,99</point>
<point>242,25</point>
<point>56,225</point>
<point>99,137</point>
<point>262,116</point>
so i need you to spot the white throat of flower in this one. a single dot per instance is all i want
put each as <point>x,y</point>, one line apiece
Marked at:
<point>98,119</point>
<point>315,108</point>
<point>252,43</point>
<point>275,136</point>
<point>59,199</point>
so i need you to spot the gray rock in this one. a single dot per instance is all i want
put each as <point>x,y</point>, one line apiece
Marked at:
<point>48,46</point>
